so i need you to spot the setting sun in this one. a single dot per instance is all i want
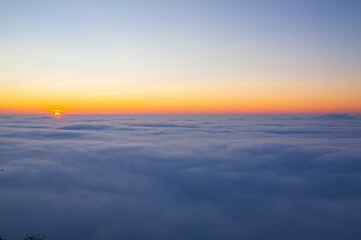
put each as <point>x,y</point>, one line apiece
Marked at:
<point>181,120</point>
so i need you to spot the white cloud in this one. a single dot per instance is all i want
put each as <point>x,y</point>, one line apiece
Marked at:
<point>180,177</point>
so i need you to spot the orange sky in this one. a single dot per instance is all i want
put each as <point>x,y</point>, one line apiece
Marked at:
<point>238,100</point>
<point>128,58</point>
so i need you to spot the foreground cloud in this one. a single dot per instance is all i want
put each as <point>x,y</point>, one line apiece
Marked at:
<point>180,177</point>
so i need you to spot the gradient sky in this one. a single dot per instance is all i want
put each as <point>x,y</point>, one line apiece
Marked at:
<point>180,56</point>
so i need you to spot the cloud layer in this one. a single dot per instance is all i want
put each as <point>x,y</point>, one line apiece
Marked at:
<point>180,177</point>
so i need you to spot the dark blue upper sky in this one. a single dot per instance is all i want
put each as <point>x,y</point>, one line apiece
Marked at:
<point>268,52</point>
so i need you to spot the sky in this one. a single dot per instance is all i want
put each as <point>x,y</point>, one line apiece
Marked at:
<point>180,56</point>
<point>180,177</point>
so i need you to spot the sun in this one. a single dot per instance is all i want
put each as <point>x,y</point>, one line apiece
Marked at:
<point>57,113</point>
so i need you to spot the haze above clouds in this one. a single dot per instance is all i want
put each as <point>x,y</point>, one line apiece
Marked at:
<point>180,176</point>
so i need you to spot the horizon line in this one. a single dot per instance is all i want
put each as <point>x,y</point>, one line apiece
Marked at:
<point>185,113</point>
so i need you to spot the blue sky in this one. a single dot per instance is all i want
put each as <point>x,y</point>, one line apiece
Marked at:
<point>136,51</point>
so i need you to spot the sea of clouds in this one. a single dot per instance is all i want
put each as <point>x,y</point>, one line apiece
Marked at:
<point>180,177</point>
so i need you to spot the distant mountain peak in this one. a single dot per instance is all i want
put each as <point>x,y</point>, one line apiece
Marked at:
<point>335,116</point>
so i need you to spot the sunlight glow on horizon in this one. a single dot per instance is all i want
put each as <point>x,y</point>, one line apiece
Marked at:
<point>180,57</point>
